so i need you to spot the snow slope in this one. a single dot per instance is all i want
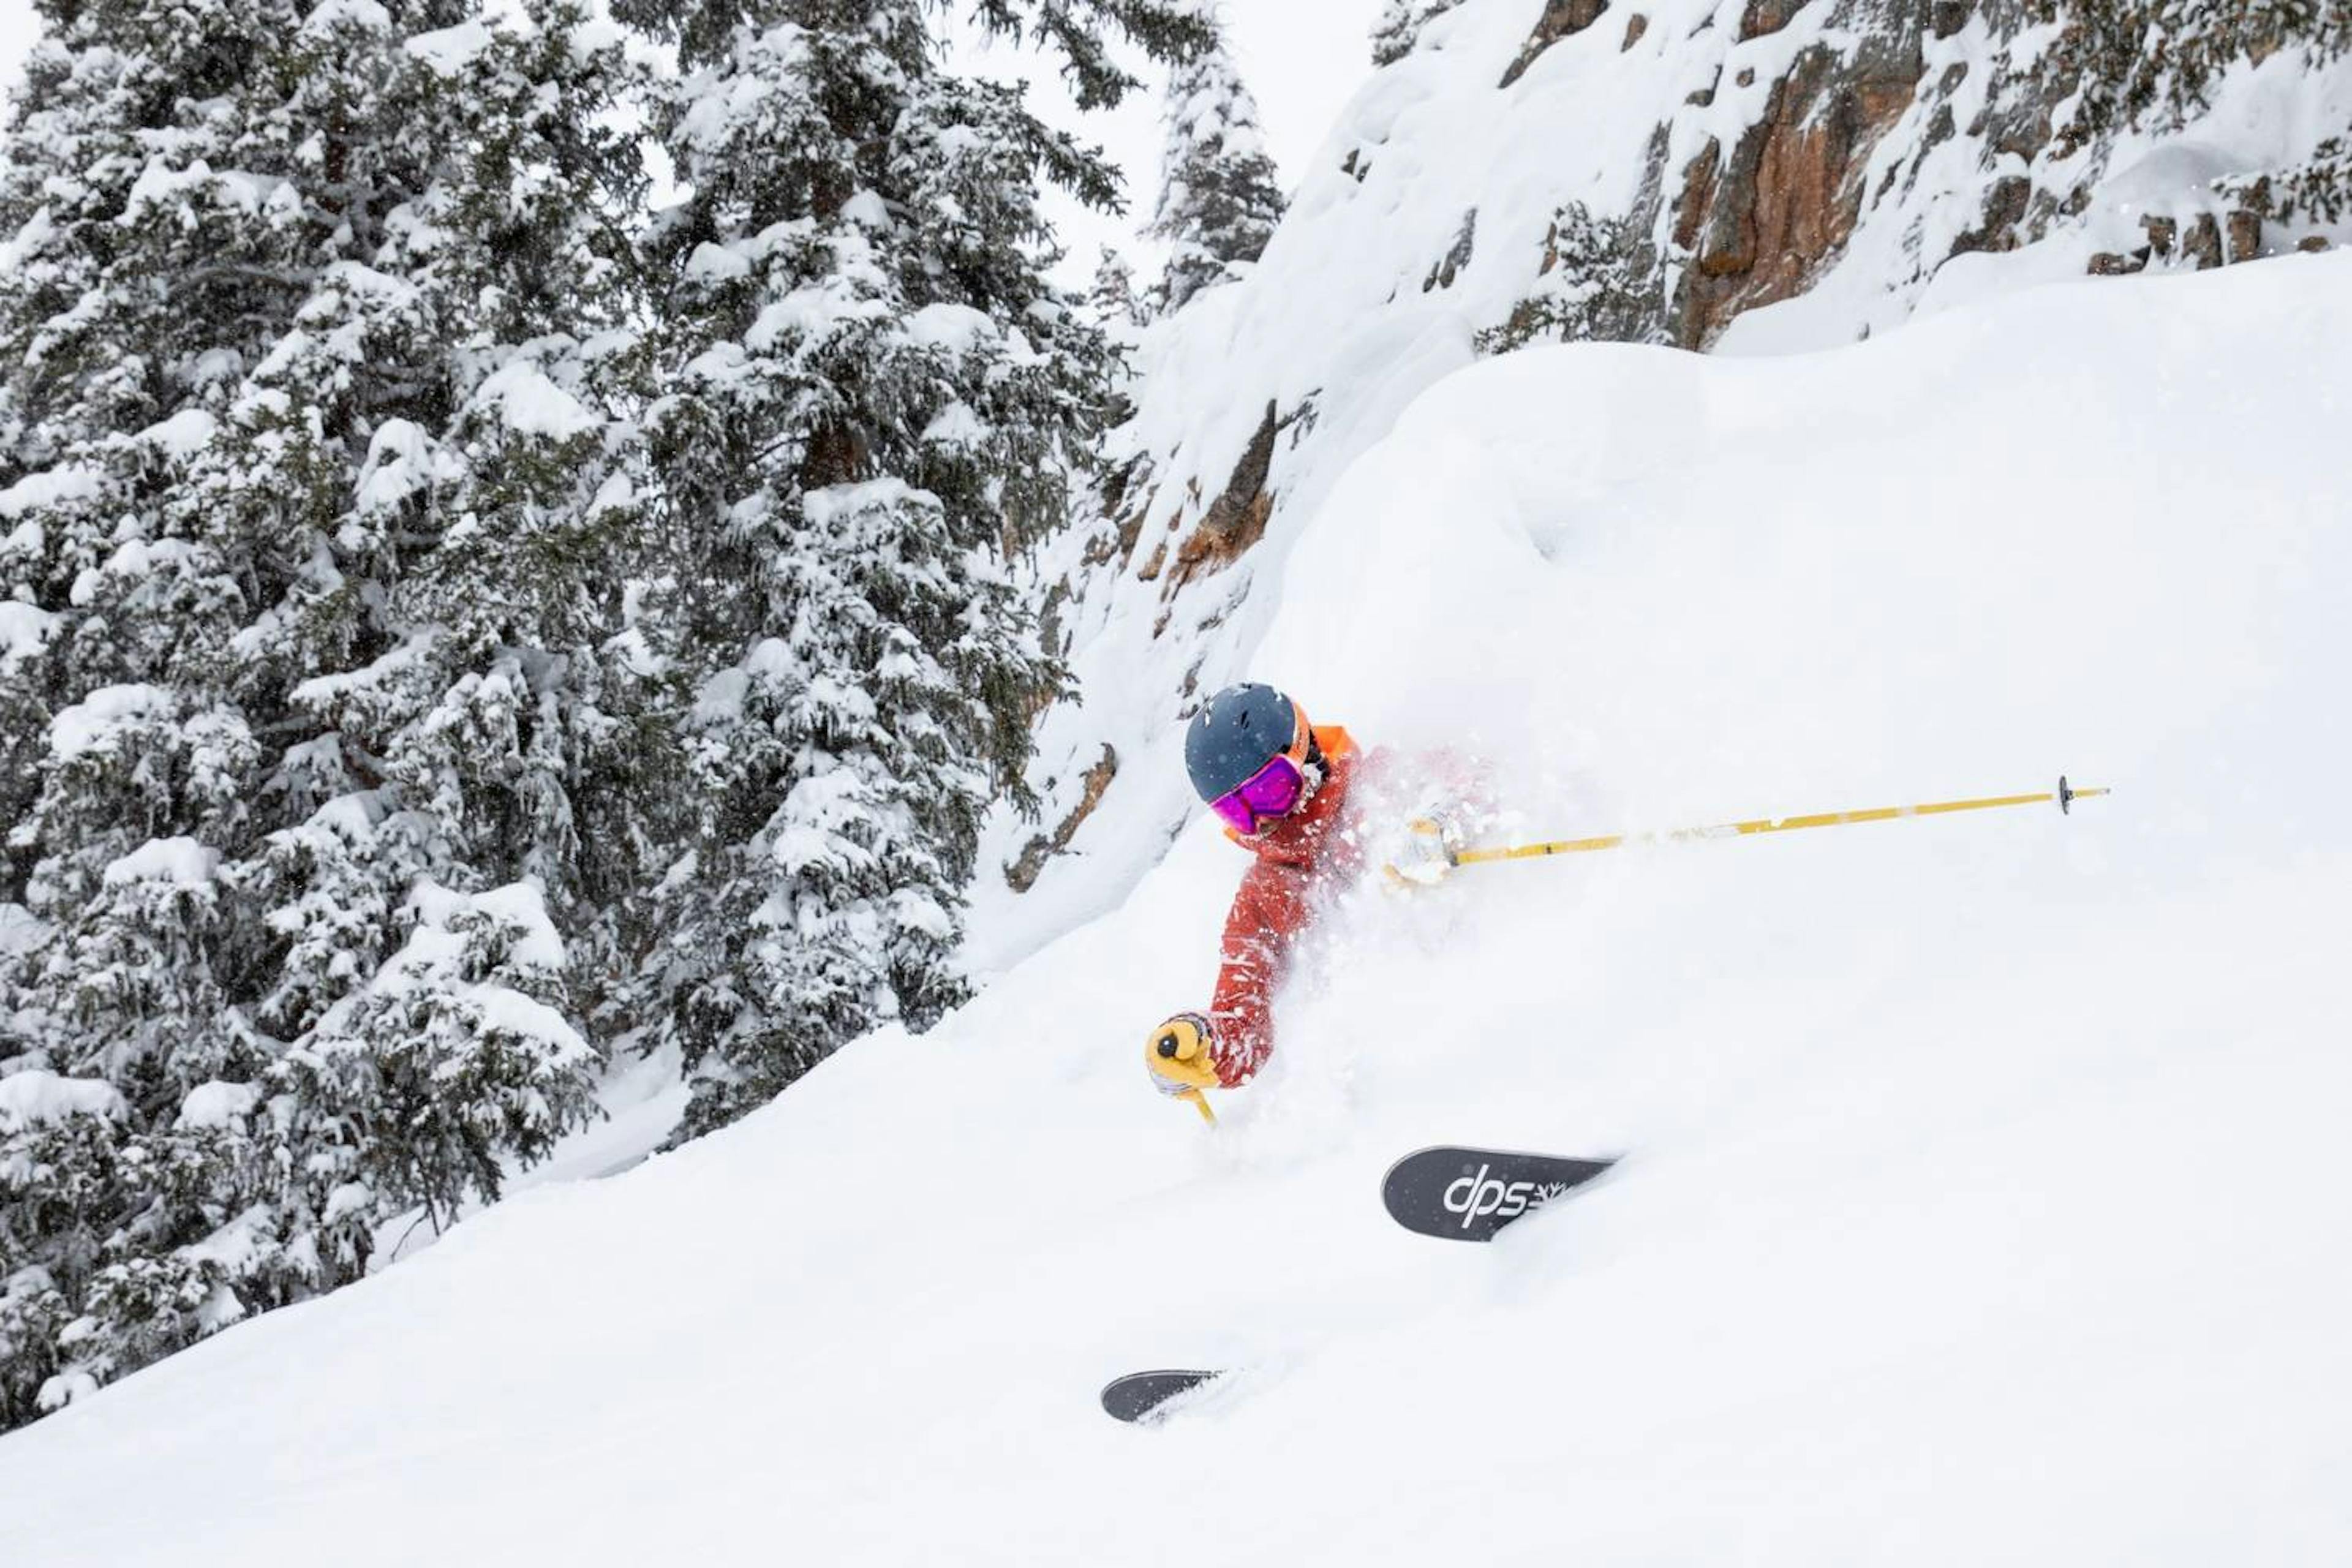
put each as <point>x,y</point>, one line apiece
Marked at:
<point>1985,1182</point>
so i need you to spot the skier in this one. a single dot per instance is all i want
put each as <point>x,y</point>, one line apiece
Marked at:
<point>1283,787</point>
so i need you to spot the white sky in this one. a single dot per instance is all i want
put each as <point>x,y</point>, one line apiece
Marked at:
<point>18,29</point>
<point>1302,58</point>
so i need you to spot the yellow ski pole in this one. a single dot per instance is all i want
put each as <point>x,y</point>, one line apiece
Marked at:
<point>1200,1103</point>
<point>2066,794</point>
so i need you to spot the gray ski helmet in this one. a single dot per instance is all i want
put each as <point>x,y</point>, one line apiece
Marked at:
<point>1238,732</point>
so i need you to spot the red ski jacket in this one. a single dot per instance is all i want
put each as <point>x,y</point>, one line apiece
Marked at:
<point>1299,859</point>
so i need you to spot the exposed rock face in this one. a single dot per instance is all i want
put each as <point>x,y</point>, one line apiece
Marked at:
<point>2005,207</point>
<point>1229,525</point>
<point>1457,255</point>
<point>2211,242</point>
<point>1754,221</point>
<point>1758,224</point>
<point>1237,518</point>
<point>2245,234</point>
<point>1763,16</point>
<point>2016,104</point>
<point>1023,873</point>
<point>2204,242</point>
<point>1560,19</point>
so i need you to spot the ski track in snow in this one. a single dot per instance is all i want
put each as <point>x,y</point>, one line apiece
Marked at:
<point>1984,1182</point>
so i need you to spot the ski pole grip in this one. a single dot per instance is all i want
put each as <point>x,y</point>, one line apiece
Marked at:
<point>1182,1038</point>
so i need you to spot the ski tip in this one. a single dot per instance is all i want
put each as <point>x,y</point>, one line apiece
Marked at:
<point>1142,1397</point>
<point>1459,1193</point>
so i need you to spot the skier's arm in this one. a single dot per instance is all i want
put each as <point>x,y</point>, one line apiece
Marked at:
<point>1269,909</point>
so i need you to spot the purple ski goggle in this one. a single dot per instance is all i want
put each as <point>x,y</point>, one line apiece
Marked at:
<point>1269,793</point>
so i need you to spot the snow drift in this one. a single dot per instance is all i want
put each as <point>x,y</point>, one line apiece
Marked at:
<point>1983,1177</point>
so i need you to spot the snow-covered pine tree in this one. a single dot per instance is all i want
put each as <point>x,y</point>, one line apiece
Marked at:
<point>1396,32</point>
<point>490,705</point>
<point>296,301</point>
<point>870,407</point>
<point>1219,202</point>
<point>1111,297</point>
<point>457,1055</point>
<point>1598,282</point>
<point>492,715</point>
<point>144,265</point>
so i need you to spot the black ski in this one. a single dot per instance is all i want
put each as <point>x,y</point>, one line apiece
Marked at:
<point>1468,1195</point>
<point>1139,1395</point>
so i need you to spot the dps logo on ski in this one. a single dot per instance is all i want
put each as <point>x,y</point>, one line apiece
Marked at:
<point>1477,1196</point>
<point>1458,1193</point>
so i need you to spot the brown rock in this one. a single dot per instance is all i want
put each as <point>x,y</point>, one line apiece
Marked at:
<point>1698,193</point>
<point>1939,127</point>
<point>1149,571</point>
<point>1560,19</point>
<point>1635,26</point>
<point>1747,77</point>
<point>1130,528</point>
<point>1758,223</point>
<point>2245,233</point>
<point>2107,264</point>
<point>1945,18</point>
<point>2004,206</point>
<point>2204,242</point>
<point>1449,266</point>
<point>1114,542</point>
<point>1021,875</point>
<point>2161,233</point>
<point>2312,242</point>
<point>2020,129</point>
<point>1237,518</point>
<point>1765,16</point>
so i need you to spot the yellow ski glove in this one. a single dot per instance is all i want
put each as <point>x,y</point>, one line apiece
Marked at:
<point>1178,1055</point>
